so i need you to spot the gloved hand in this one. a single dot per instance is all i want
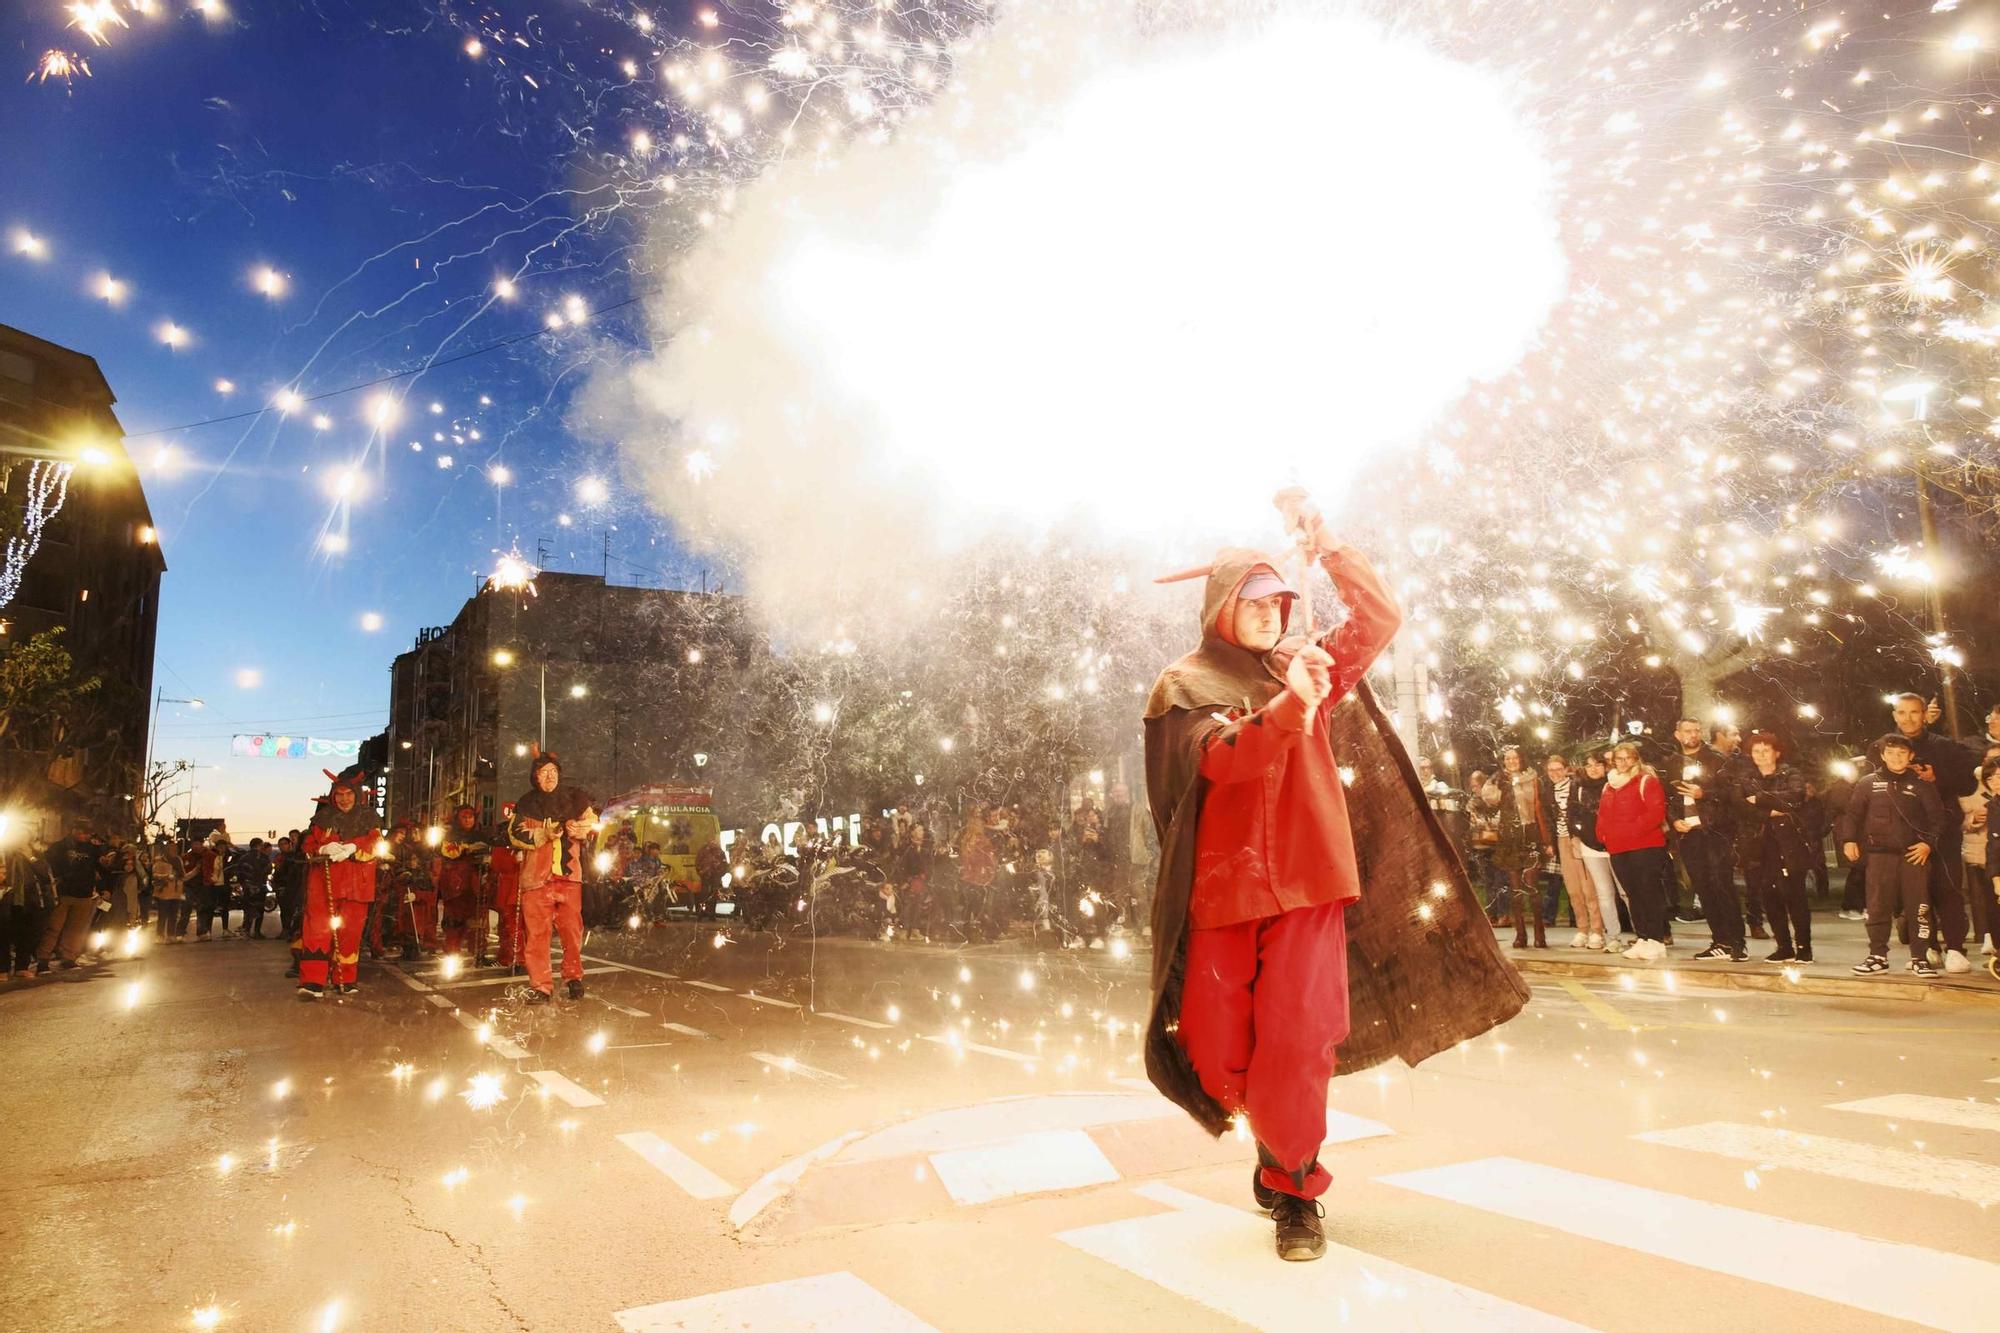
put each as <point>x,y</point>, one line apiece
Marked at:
<point>337,851</point>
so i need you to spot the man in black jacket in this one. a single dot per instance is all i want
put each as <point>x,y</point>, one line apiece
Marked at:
<point>75,863</point>
<point>1895,819</point>
<point>1952,771</point>
<point>1698,813</point>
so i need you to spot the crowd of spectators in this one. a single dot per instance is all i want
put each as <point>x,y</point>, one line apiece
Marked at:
<point>1626,842</point>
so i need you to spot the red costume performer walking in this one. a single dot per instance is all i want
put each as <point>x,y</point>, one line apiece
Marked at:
<point>341,846</point>
<point>506,867</point>
<point>462,883</point>
<point>1267,761</point>
<point>551,825</point>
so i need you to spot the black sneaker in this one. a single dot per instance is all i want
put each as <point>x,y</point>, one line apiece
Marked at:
<point>308,991</point>
<point>42,968</point>
<point>350,988</point>
<point>1712,953</point>
<point>1301,1235</point>
<point>1872,964</point>
<point>1922,967</point>
<point>1803,956</point>
<point>1781,956</point>
<point>1739,956</point>
<point>1267,1199</point>
<point>537,996</point>
<point>575,990</point>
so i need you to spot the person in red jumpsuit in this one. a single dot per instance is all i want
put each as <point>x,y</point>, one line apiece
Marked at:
<point>341,847</point>
<point>416,893</point>
<point>551,827</point>
<point>462,883</point>
<point>1268,759</point>
<point>505,865</point>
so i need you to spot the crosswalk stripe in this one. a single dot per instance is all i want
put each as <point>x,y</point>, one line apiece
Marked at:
<point>829,1303</point>
<point>705,985</point>
<point>404,977</point>
<point>850,1020</point>
<point>786,1064</point>
<point>506,977</point>
<point>561,1087</point>
<point>687,1031</point>
<point>993,1051</point>
<point>1929,1110</point>
<point>625,1009</point>
<point>631,967</point>
<point>755,998</point>
<point>1220,1257</point>
<point>500,1046</point>
<point>438,1000</point>
<point>1784,1149</point>
<point>1898,1281</point>
<point>677,1166</point>
<point>1037,1163</point>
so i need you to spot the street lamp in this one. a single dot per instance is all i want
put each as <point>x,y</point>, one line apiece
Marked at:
<point>1918,392</point>
<point>146,774</point>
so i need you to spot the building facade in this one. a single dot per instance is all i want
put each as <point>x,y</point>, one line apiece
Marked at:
<point>623,684</point>
<point>87,561</point>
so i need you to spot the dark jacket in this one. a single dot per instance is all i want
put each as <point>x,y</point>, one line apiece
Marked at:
<point>1892,812</point>
<point>1586,793</point>
<point>29,884</point>
<point>73,862</point>
<point>1769,810</point>
<point>1708,764</point>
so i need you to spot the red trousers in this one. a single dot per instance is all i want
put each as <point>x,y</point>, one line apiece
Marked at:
<point>326,951</point>
<point>1262,1011</point>
<point>507,904</point>
<point>559,901</point>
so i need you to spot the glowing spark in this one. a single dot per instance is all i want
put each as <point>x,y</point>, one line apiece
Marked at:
<point>109,289</point>
<point>91,18</point>
<point>593,491</point>
<point>511,573</point>
<point>208,1316</point>
<point>486,1090</point>
<point>269,281</point>
<point>371,621</point>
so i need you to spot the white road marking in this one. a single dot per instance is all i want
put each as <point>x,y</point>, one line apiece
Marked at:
<point>439,1000</point>
<point>777,1182</point>
<point>625,1009</point>
<point>1897,1281</point>
<point>705,985</point>
<point>755,998</point>
<point>994,1051</point>
<point>850,1020</point>
<point>631,967</point>
<point>1220,1257</point>
<point>562,1088</point>
<point>687,1031</point>
<point>994,1121</point>
<point>504,978</point>
<point>1783,1149</point>
<point>787,1064</point>
<point>677,1166</point>
<point>500,1046</point>
<point>830,1303</point>
<point>1930,1110</point>
<point>404,977</point>
<point>1053,1159</point>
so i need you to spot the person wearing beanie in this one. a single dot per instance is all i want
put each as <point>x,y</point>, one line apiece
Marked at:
<point>461,883</point>
<point>551,826</point>
<point>1894,819</point>
<point>341,846</point>
<point>1267,760</point>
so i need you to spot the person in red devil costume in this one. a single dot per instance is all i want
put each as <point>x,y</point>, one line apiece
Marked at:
<point>462,883</point>
<point>412,914</point>
<point>551,826</point>
<point>1282,876</point>
<point>505,864</point>
<point>341,847</point>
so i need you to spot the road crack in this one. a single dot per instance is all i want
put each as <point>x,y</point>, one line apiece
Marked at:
<point>471,1250</point>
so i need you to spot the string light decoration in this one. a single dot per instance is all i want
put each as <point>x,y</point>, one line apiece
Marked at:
<point>42,499</point>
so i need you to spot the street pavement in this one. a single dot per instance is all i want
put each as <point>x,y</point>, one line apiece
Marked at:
<point>850,1136</point>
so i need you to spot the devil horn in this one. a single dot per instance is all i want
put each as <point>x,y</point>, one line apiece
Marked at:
<point>1198,572</point>
<point>331,776</point>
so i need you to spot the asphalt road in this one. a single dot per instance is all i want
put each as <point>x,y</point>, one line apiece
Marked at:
<point>875,1138</point>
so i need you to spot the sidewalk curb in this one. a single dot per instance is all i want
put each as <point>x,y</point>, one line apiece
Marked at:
<point>1911,991</point>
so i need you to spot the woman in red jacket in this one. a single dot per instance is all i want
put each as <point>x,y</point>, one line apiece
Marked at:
<point>1631,823</point>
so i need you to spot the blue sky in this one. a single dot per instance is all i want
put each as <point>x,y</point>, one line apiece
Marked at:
<point>358,151</point>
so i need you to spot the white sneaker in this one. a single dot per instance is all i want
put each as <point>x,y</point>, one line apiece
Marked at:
<point>1852,916</point>
<point>1578,941</point>
<point>1637,951</point>
<point>1593,942</point>
<point>1987,947</point>
<point>1655,951</point>
<point>1954,961</point>
<point>1613,944</point>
